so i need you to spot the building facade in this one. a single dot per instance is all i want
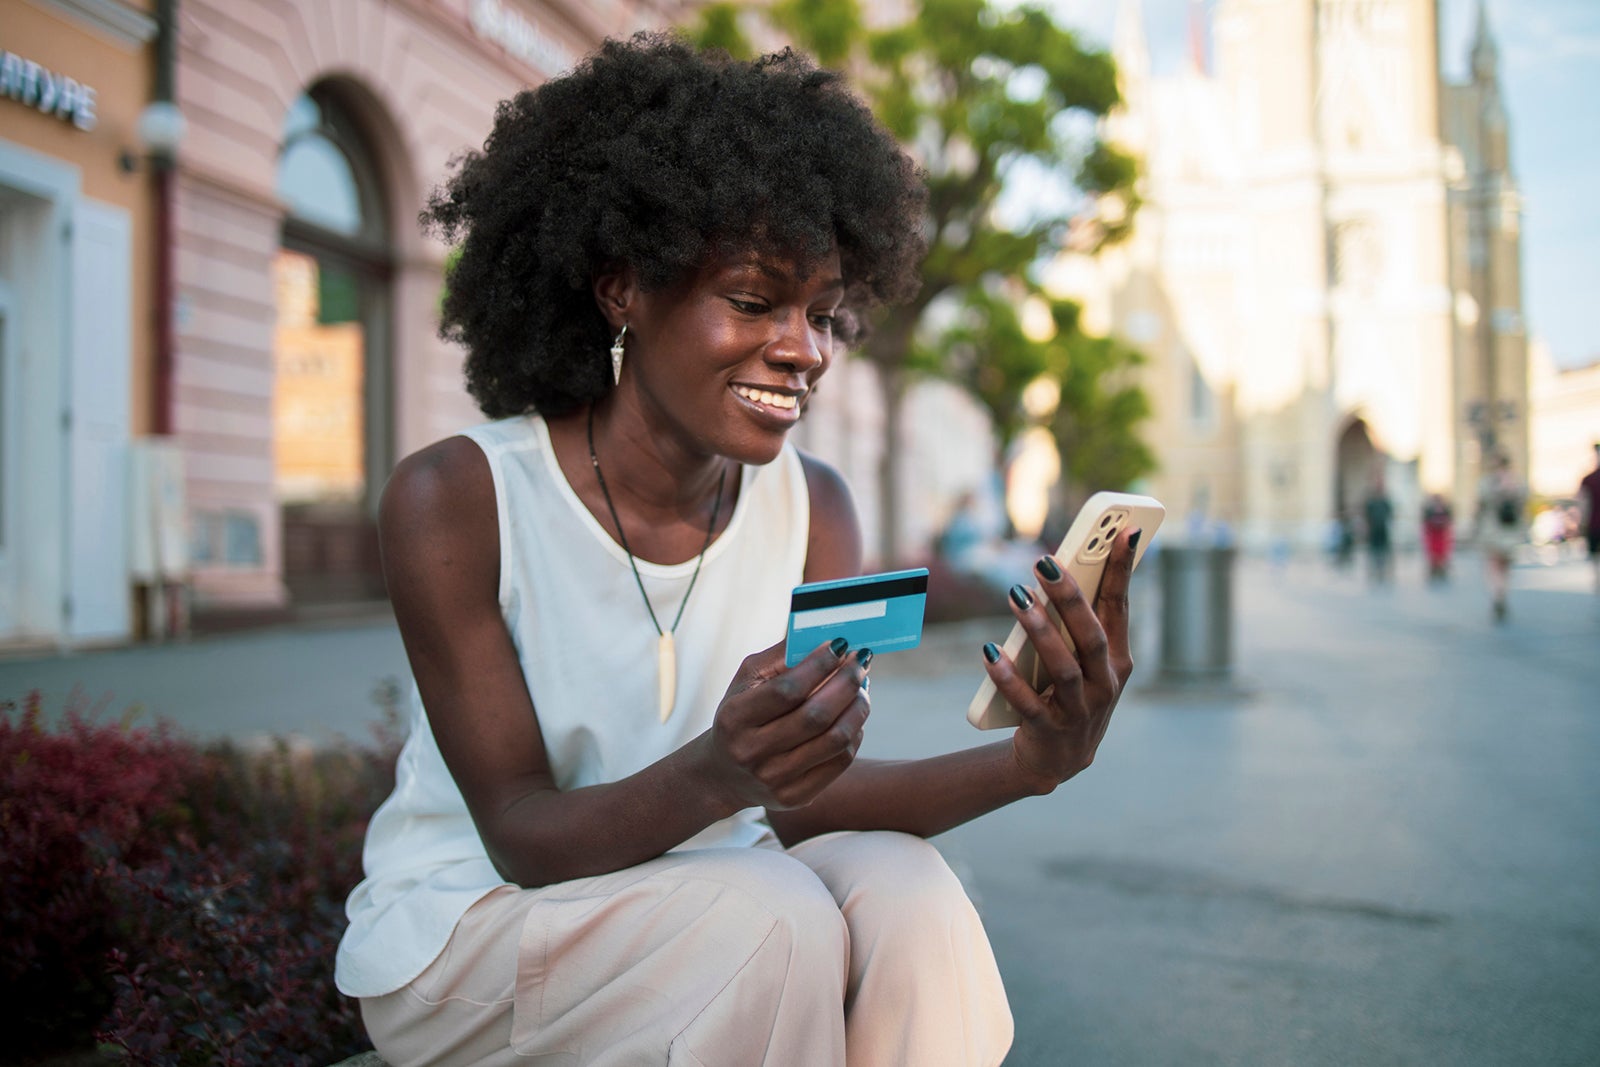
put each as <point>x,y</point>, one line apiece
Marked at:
<point>1324,269</point>
<point>305,317</point>
<point>75,349</point>
<point>1564,424</point>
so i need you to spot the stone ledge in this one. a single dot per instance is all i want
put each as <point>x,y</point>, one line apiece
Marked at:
<point>363,1059</point>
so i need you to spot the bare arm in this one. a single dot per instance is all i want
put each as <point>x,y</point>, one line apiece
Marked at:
<point>1057,739</point>
<point>777,739</point>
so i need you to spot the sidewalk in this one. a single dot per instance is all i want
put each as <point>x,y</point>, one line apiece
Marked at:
<point>322,682</point>
<point>1382,852</point>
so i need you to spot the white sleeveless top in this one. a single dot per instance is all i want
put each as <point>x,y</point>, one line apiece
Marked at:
<point>588,652</point>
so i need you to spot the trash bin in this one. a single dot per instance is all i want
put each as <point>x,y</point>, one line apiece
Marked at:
<point>1196,612</point>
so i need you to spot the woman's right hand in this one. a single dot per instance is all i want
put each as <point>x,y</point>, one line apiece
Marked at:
<point>782,735</point>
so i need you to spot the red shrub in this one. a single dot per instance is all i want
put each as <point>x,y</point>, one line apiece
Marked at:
<point>67,799</point>
<point>179,903</point>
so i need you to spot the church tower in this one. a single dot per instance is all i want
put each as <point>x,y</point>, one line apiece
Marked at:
<point>1491,353</point>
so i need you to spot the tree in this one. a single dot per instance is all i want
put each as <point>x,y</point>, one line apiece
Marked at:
<point>1099,405</point>
<point>1096,422</point>
<point>977,94</point>
<point>990,354</point>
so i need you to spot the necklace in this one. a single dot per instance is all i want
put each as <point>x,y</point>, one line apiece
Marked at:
<point>666,651</point>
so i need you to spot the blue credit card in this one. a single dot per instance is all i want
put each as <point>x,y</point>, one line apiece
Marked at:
<point>882,612</point>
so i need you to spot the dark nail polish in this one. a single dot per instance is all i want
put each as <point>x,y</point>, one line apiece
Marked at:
<point>1047,567</point>
<point>1133,540</point>
<point>864,656</point>
<point>1021,598</point>
<point>991,652</point>
<point>839,644</point>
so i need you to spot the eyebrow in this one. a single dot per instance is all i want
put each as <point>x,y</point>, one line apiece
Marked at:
<point>784,276</point>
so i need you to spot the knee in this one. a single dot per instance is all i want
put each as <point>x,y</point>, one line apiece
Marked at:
<point>803,914</point>
<point>904,887</point>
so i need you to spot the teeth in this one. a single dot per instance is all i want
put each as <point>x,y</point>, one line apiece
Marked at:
<point>771,400</point>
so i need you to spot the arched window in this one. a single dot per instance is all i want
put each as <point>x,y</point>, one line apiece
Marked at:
<point>332,408</point>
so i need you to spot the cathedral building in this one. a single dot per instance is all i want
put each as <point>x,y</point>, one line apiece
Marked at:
<point>1325,268</point>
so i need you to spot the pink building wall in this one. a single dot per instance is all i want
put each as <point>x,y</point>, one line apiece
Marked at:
<point>424,77</point>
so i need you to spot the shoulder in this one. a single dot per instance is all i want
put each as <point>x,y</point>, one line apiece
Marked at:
<point>834,546</point>
<point>825,485</point>
<point>450,472</point>
<point>444,490</point>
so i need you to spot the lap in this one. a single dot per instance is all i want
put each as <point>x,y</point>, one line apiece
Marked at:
<point>549,970</point>
<point>512,929</point>
<point>553,970</point>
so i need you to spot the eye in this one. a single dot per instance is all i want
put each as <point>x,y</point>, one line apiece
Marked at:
<point>747,307</point>
<point>824,321</point>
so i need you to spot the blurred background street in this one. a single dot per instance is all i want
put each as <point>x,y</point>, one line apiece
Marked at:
<point>1317,274</point>
<point>1377,845</point>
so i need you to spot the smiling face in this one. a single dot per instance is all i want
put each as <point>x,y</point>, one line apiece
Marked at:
<point>725,359</point>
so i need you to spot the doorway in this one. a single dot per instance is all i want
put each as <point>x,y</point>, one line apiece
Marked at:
<point>1359,465</point>
<point>332,439</point>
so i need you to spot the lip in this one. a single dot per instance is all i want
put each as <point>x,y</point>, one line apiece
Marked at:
<point>781,418</point>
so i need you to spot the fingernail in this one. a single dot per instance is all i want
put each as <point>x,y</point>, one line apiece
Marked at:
<point>1133,540</point>
<point>1021,598</point>
<point>839,644</point>
<point>1047,567</point>
<point>991,652</point>
<point>864,656</point>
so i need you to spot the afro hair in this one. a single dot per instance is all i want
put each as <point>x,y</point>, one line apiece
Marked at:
<point>657,156</point>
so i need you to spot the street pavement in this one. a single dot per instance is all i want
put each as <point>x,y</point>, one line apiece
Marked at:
<point>1378,844</point>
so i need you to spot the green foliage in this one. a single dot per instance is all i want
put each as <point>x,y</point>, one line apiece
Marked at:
<point>977,93</point>
<point>989,355</point>
<point>829,28</point>
<point>1100,409</point>
<point>1096,425</point>
<point>451,258</point>
<point>719,28</point>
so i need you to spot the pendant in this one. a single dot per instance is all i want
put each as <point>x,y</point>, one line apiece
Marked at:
<point>667,674</point>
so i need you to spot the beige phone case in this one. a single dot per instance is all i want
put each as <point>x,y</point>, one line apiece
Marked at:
<point>1083,554</point>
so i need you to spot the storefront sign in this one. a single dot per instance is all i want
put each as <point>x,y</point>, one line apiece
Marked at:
<point>493,21</point>
<point>29,84</point>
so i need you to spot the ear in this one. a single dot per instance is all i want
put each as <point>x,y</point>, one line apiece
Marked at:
<point>616,290</point>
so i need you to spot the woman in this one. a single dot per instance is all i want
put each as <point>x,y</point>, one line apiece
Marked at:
<point>1501,500</point>
<point>622,832</point>
<point>1438,536</point>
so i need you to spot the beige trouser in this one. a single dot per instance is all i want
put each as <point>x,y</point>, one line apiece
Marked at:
<point>851,948</point>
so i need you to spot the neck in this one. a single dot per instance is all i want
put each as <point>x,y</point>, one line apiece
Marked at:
<point>648,505</point>
<point>648,471</point>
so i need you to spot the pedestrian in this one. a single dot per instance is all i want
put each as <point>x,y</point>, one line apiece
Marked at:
<point>1501,500</point>
<point>962,544</point>
<point>1438,536</point>
<point>1589,511</point>
<point>1341,537</point>
<point>622,830</point>
<point>1378,511</point>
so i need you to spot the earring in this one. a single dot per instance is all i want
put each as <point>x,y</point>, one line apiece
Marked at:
<point>616,355</point>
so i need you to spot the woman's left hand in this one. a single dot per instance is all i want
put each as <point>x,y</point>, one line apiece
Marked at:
<point>1062,726</point>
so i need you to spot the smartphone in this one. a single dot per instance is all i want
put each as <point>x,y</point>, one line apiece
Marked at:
<point>1083,554</point>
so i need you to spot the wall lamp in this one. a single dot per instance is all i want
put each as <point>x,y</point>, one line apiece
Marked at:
<point>160,131</point>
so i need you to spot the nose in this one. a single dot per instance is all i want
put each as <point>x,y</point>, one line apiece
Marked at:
<point>795,345</point>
